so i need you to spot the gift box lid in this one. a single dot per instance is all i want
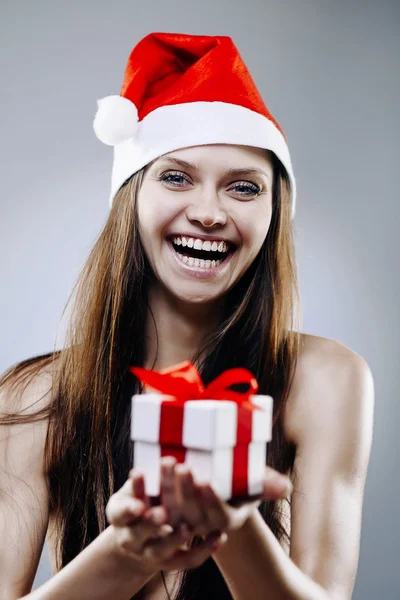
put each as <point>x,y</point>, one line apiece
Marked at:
<point>203,424</point>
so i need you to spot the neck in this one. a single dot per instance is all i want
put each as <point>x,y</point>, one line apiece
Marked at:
<point>175,330</point>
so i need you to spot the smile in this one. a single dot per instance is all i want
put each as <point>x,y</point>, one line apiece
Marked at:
<point>201,263</point>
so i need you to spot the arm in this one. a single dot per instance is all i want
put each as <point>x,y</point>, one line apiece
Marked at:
<point>99,572</point>
<point>333,431</point>
<point>23,495</point>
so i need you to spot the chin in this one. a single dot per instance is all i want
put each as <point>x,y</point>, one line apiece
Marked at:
<point>197,300</point>
<point>193,298</point>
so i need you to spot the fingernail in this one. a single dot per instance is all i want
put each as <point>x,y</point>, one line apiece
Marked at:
<point>182,469</point>
<point>284,484</point>
<point>168,461</point>
<point>165,529</point>
<point>222,538</point>
<point>158,516</point>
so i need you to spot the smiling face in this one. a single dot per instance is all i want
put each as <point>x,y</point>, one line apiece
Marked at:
<point>204,213</point>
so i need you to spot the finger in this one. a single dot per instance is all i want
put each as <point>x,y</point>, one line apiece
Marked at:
<point>189,499</point>
<point>196,555</point>
<point>127,488</point>
<point>132,539</point>
<point>160,549</point>
<point>156,515</point>
<point>168,489</point>
<point>276,485</point>
<point>138,487</point>
<point>216,509</point>
<point>123,510</point>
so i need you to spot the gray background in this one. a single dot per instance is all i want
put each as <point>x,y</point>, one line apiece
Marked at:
<point>328,71</point>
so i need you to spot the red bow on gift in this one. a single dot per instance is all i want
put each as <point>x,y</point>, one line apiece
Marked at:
<point>183,381</point>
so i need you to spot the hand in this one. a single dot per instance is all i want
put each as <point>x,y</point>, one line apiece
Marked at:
<point>143,536</point>
<point>201,507</point>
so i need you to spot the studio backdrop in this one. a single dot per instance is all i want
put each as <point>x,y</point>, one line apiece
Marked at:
<point>329,72</point>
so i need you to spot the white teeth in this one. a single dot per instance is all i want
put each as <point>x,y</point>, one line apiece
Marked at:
<point>198,244</point>
<point>199,262</point>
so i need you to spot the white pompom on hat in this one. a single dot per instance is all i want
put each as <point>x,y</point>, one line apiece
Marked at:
<point>182,90</point>
<point>116,120</point>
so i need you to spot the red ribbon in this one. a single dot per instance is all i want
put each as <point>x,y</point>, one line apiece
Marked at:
<point>183,382</point>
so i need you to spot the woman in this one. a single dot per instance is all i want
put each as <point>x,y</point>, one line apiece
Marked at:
<point>196,261</point>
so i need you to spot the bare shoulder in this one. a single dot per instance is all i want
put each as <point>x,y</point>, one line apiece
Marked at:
<point>319,349</point>
<point>332,385</point>
<point>26,392</point>
<point>27,387</point>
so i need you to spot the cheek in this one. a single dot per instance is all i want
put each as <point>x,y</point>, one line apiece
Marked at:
<point>154,211</point>
<point>254,231</point>
<point>253,220</point>
<point>150,220</point>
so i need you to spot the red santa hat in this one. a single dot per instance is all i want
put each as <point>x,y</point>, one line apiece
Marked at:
<point>184,90</point>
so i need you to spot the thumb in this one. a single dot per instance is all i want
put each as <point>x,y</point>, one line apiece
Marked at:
<point>276,485</point>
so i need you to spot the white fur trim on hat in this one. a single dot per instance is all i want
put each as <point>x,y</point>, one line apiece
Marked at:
<point>188,124</point>
<point>116,120</point>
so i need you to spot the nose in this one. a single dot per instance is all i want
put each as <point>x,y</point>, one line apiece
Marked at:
<point>207,210</point>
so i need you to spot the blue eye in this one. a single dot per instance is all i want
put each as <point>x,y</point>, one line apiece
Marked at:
<point>249,188</point>
<point>173,178</point>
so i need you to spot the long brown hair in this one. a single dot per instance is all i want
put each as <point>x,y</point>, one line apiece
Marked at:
<point>88,451</point>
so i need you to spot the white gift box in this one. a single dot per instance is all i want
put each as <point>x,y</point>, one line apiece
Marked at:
<point>203,434</point>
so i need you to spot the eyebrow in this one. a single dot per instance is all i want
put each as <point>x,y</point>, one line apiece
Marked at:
<point>232,172</point>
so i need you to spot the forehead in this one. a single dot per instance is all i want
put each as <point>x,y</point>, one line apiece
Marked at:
<point>221,156</point>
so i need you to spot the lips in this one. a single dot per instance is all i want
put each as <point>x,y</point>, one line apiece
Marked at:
<point>197,271</point>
